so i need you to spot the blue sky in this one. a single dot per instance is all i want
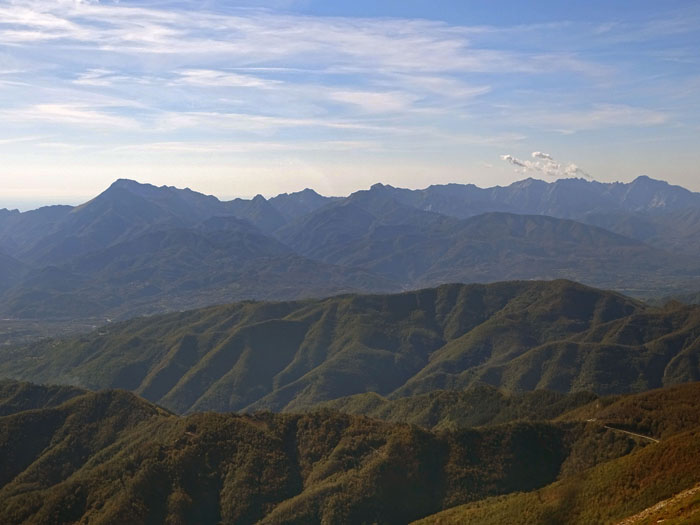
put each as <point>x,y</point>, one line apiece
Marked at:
<point>239,98</point>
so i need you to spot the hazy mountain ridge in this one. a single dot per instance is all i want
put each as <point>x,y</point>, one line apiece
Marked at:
<point>291,355</point>
<point>382,239</point>
<point>425,251</point>
<point>566,198</point>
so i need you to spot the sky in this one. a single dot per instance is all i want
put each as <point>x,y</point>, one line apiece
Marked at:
<point>236,98</point>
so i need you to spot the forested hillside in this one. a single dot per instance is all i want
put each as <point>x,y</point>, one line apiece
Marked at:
<point>518,336</point>
<point>110,457</point>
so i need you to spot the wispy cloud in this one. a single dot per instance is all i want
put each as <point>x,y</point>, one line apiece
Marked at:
<point>207,148</point>
<point>375,102</point>
<point>71,114</point>
<point>597,117</point>
<point>15,140</point>
<point>256,37</point>
<point>214,78</point>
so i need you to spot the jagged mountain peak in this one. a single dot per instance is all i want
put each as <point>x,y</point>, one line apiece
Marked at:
<point>379,186</point>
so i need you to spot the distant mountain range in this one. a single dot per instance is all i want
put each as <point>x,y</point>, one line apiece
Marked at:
<point>138,249</point>
<point>518,336</point>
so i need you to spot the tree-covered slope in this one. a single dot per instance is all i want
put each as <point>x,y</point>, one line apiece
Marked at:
<point>16,396</point>
<point>110,457</point>
<point>478,405</point>
<point>519,336</point>
<point>622,487</point>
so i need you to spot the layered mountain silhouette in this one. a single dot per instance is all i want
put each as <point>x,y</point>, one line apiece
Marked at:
<point>138,249</point>
<point>519,336</point>
<point>508,402</point>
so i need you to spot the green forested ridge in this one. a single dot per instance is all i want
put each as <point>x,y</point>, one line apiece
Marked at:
<point>109,457</point>
<point>518,336</point>
<point>476,406</point>
<point>616,488</point>
<point>605,494</point>
<point>661,412</point>
<point>16,396</point>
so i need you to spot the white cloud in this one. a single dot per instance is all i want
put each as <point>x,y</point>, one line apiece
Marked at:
<point>256,37</point>
<point>256,123</point>
<point>188,77</point>
<point>213,78</point>
<point>443,86</point>
<point>71,114</point>
<point>375,102</point>
<point>540,155</point>
<point>98,77</point>
<point>545,164</point>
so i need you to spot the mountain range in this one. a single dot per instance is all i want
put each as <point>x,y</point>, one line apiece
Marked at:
<point>290,356</point>
<point>137,249</point>
<point>311,359</point>
<point>110,457</point>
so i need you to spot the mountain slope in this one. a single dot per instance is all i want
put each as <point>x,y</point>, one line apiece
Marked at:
<point>519,335</point>
<point>300,203</point>
<point>11,271</point>
<point>21,231</point>
<point>373,230</point>
<point>612,490</point>
<point>138,249</point>
<point>17,396</point>
<point>217,261</point>
<point>478,405</point>
<point>648,210</point>
<point>109,457</point>
<point>258,211</point>
<point>674,230</point>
